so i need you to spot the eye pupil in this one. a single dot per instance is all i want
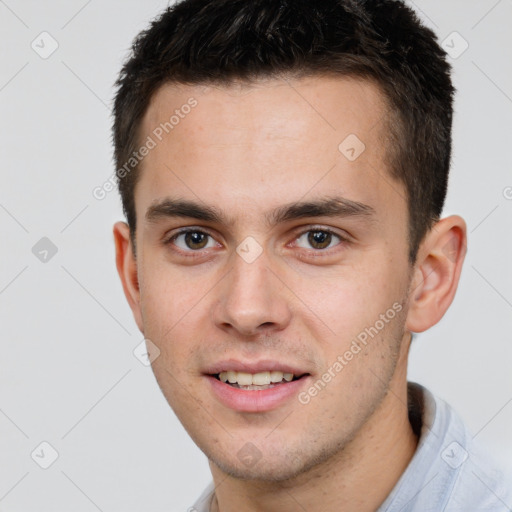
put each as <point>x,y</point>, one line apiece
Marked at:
<point>196,240</point>
<point>319,239</point>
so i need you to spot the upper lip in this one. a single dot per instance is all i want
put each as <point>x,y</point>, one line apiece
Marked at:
<point>233,365</point>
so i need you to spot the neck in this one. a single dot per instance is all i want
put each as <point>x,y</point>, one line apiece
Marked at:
<point>358,477</point>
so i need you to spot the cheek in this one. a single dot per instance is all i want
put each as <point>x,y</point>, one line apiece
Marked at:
<point>173,316</point>
<point>348,300</point>
<point>174,307</point>
<point>168,291</point>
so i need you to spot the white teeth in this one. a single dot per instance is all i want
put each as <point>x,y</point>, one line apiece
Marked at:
<point>276,376</point>
<point>260,379</point>
<point>244,379</point>
<point>255,379</point>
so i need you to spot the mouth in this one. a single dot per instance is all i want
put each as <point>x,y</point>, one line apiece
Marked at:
<point>257,381</point>
<point>255,387</point>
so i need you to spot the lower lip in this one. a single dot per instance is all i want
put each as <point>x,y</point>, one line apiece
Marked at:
<point>255,400</point>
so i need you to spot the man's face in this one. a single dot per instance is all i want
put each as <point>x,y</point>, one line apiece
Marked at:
<point>263,246</point>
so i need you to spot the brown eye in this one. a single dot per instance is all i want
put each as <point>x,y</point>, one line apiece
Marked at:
<point>193,240</point>
<point>319,239</point>
<point>196,240</point>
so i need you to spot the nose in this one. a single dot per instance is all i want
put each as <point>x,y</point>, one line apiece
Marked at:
<point>251,299</point>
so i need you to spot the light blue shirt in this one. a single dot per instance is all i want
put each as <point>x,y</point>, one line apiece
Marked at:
<point>448,472</point>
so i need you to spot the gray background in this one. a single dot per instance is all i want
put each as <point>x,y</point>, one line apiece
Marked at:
<point>68,375</point>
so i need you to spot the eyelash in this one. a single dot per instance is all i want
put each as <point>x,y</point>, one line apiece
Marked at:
<point>191,253</point>
<point>183,231</point>
<point>343,240</point>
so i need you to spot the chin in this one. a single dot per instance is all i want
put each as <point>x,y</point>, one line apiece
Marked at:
<point>261,471</point>
<point>277,467</point>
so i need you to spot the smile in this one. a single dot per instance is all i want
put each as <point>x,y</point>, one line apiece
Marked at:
<point>259,390</point>
<point>255,381</point>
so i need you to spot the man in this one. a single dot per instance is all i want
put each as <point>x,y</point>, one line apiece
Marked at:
<point>283,167</point>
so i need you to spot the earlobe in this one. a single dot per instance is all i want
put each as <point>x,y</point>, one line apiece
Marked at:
<point>436,273</point>
<point>127,269</point>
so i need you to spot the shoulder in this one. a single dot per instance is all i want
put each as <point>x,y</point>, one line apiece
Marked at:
<point>449,471</point>
<point>479,483</point>
<point>471,478</point>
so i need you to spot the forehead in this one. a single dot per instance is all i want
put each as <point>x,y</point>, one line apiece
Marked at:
<point>265,107</point>
<point>266,143</point>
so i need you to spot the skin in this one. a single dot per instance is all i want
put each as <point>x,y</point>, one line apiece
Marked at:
<point>247,151</point>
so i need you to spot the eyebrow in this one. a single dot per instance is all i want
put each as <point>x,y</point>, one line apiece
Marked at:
<point>182,208</point>
<point>326,207</point>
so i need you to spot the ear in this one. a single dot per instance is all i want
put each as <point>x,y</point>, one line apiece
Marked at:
<point>127,269</point>
<point>436,273</point>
